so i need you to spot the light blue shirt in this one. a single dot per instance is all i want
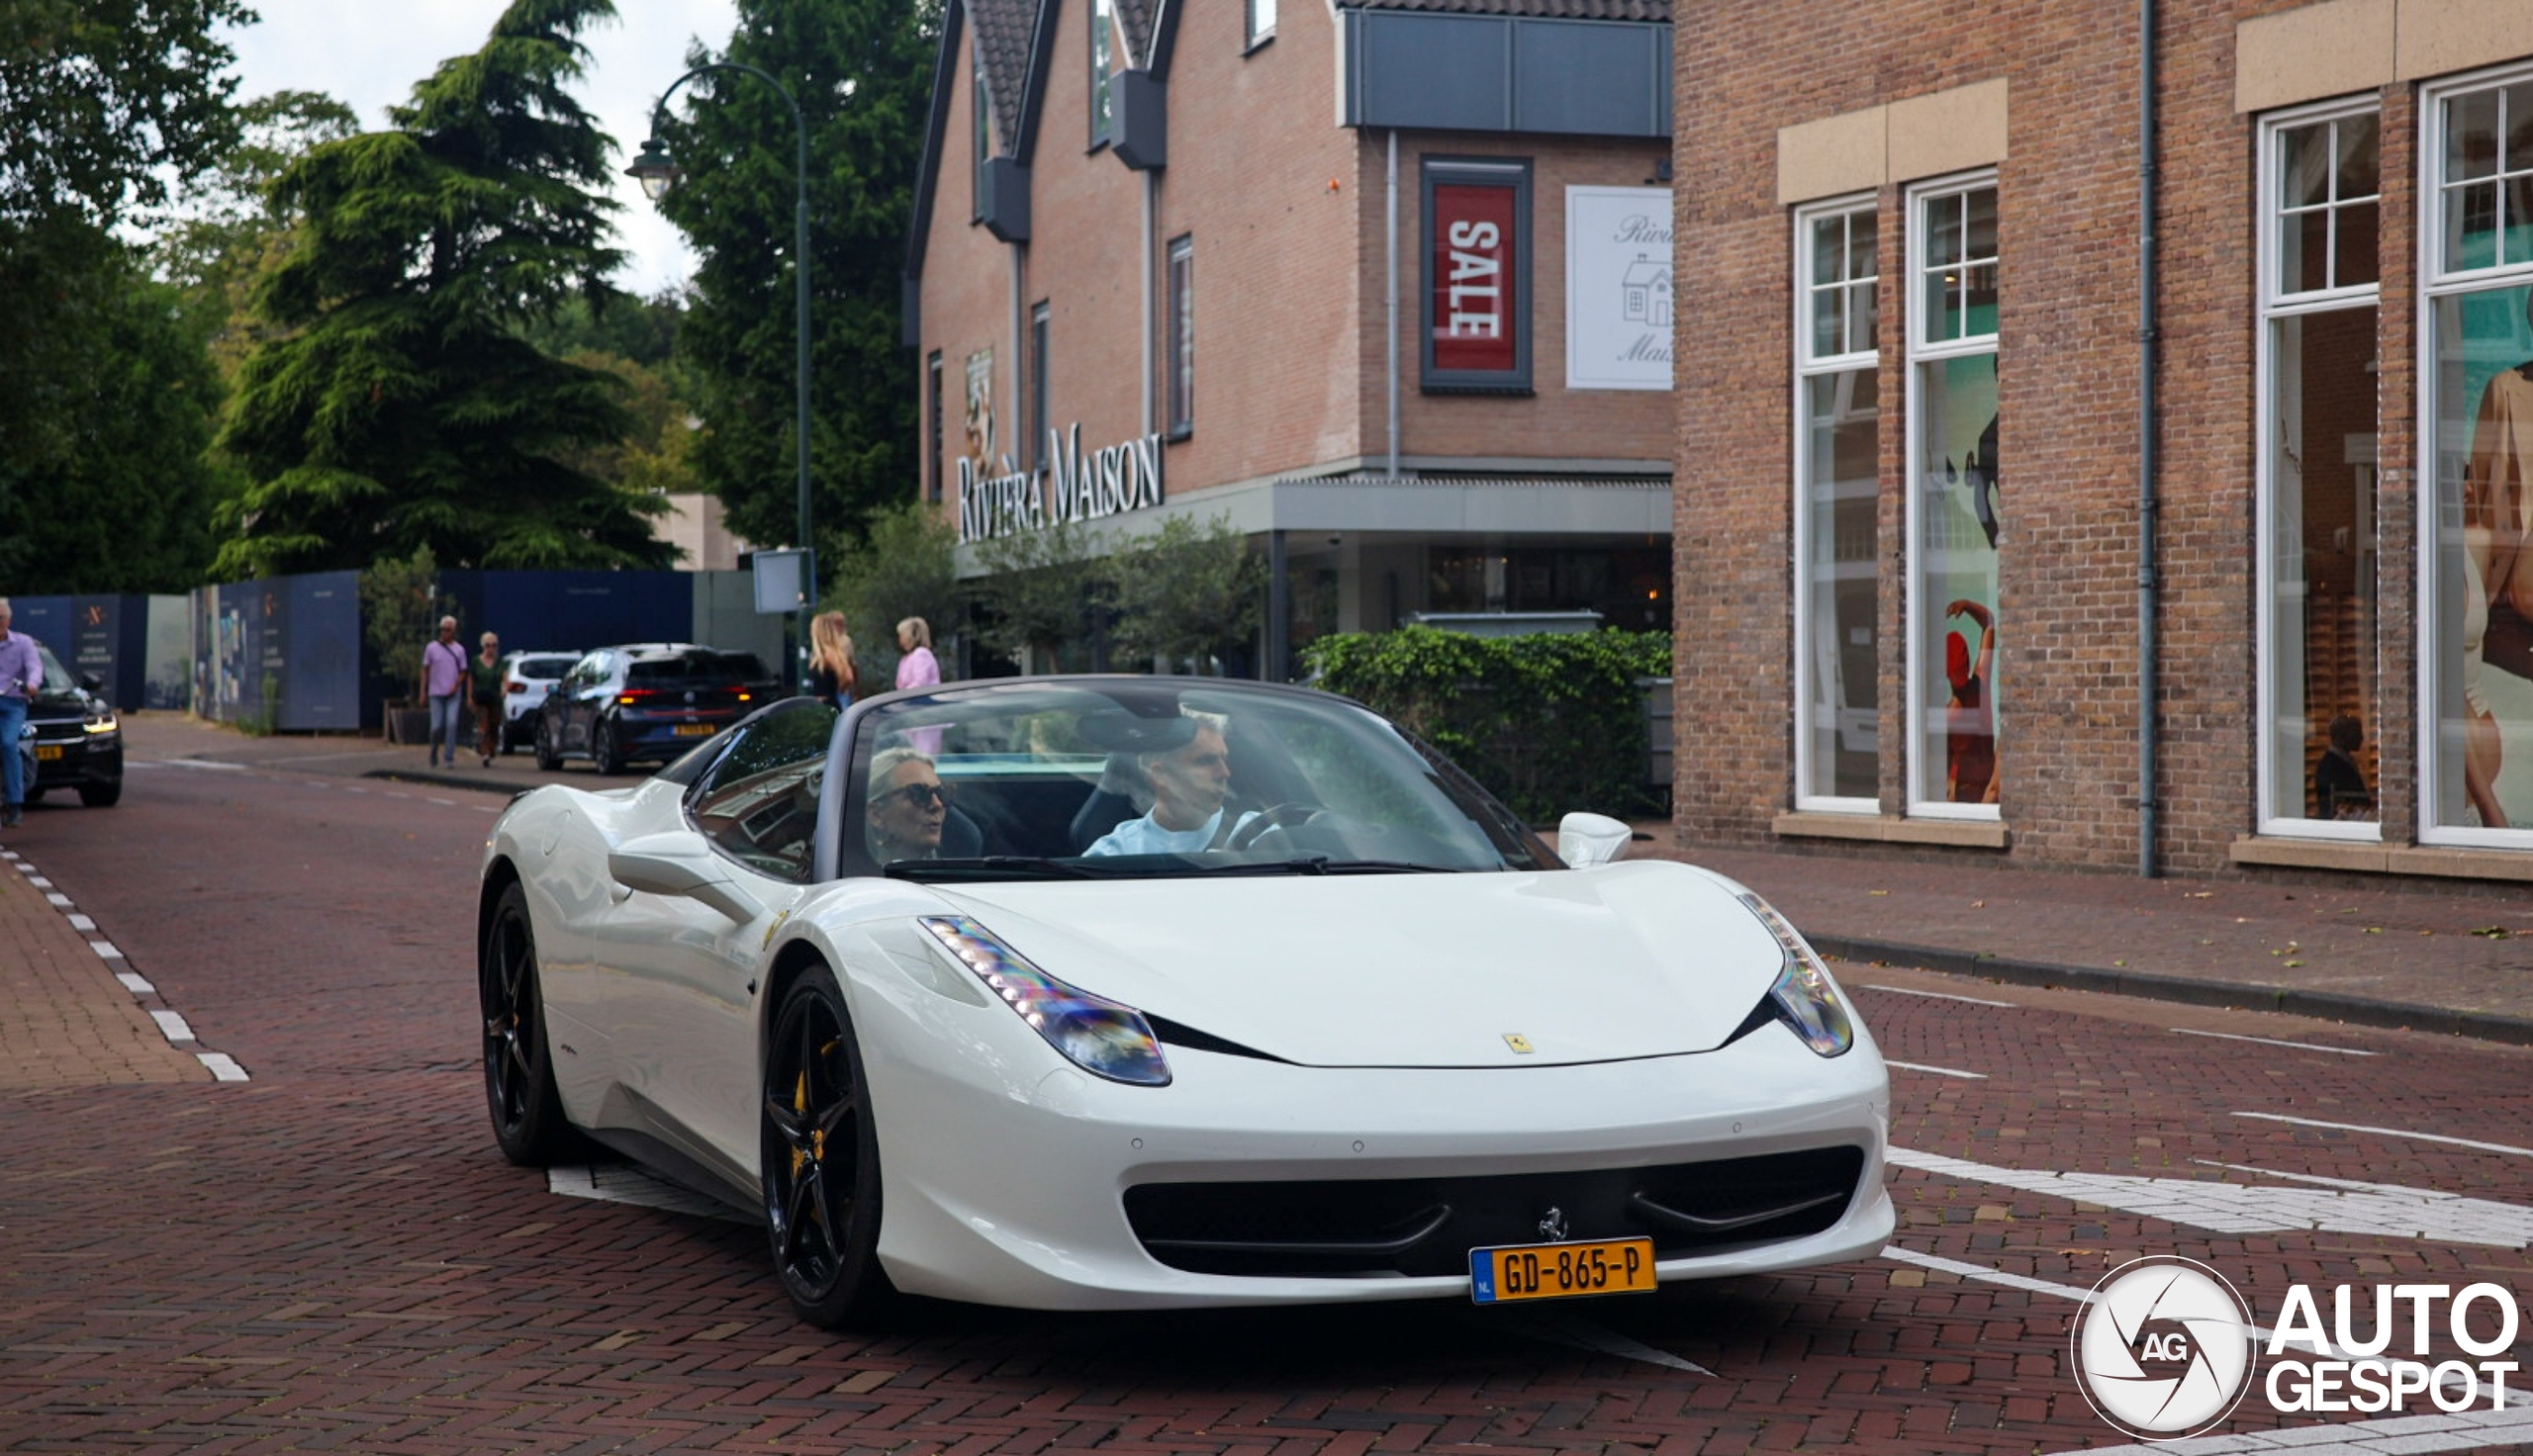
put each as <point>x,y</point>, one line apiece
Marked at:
<point>1145,837</point>
<point>18,659</point>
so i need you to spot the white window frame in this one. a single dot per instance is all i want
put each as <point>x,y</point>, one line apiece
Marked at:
<point>2274,305</point>
<point>1807,366</point>
<point>1257,34</point>
<point>1922,350</point>
<point>2435,286</point>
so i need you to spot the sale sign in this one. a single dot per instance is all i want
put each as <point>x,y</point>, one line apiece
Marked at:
<point>1474,286</point>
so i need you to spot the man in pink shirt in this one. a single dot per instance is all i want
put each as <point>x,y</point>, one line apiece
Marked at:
<point>20,678</point>
<point>444,683</point>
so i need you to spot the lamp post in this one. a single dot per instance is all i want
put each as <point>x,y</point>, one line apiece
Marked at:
<point>657,172</point>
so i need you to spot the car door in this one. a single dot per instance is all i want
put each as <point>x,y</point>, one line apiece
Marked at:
<point>579,695</point>
<point>692,961</point>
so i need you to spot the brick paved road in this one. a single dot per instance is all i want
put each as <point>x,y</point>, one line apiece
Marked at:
<point>331,1256</point>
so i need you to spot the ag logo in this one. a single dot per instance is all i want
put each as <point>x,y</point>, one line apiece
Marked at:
<point>2165,1349</point>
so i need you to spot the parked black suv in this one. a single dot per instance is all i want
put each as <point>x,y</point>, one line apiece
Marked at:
<point>649,700</point>
<point>78,740</point>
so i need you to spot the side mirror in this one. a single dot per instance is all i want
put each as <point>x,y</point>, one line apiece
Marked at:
<point>1586,840</point>
<point>664,864</point>
<point>92,683</point>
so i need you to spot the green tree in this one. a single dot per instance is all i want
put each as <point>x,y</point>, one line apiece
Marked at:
<point>904,566</point>
<point>862,73</point>
<point>401,410</point>
<point>1042,588</point>
<point>400,605</point>
<point>120,500</point>
<point>1186,591</point>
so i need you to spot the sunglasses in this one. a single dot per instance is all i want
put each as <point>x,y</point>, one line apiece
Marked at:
<point>916,795</point>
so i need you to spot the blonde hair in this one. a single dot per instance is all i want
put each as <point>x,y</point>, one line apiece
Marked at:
<point>488,640</point>
<point>916,628</point>
<point>889,760</point>
<point>830,644</point>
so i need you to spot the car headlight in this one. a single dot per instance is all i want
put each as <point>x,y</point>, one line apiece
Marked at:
<point>99,720</point>
<point>1804,997</point>
<point>1098,1036</point>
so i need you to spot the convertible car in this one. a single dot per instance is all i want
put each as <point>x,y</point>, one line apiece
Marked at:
<point>1135,992</point>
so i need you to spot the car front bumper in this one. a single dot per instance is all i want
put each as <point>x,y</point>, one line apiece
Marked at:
<point>76,758</point>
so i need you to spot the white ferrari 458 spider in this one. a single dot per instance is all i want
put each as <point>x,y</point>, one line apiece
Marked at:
<point>1130,992</point>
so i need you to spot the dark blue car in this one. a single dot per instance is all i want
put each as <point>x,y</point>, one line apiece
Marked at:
<point>647,701</point>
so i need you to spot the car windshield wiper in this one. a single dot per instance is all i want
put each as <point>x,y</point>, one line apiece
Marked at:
<point>1323,864</point>
<point>999,866</point>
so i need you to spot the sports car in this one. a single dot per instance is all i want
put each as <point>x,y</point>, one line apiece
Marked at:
<point>1099,992</point>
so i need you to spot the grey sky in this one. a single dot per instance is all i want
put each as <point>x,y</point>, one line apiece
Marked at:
<point>369,53</point>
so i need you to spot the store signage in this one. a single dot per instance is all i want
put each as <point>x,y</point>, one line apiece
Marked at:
<point>1618,288</point>
<point>1074,486</point>
<point>1472,277</point>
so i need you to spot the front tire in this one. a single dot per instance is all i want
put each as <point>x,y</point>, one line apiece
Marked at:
<point>819,1150</point>
<point>99,796</point>
<point>549,751</point>
<point>518,1059</point>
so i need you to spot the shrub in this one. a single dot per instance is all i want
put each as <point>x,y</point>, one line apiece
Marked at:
<point>1550,723</point>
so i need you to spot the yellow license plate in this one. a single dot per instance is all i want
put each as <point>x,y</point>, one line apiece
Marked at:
<point>694,730</point>
<point>1550,1271</point>
<point>46,751</point>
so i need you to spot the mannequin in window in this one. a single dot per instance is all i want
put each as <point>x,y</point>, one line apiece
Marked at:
<point>1970,716</point>
<point>2498,572</point>
<point>2339,784</point>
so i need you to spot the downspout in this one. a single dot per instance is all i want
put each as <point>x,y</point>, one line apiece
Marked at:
<point>1152,211</point>
<point>1390,334</point>
<point>2147,415</point>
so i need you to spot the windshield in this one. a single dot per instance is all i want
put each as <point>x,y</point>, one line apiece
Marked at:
<point>1157,777</point>
<point>544,666</point>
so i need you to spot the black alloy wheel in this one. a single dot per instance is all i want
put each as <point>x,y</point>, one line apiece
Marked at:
<point>819,1148</point>
<point>549,751</point>
<point>604,749</point>
<point>519,1065</point>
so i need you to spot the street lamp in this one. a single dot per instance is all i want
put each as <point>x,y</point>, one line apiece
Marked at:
<point>657,171</point>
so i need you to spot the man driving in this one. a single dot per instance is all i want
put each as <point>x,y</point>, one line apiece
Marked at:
<point>1188,785</point>
<point>908,808</point>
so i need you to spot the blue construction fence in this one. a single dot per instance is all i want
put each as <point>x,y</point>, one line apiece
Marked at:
<point>289,652</point>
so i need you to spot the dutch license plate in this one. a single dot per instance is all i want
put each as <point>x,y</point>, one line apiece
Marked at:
<point>47,752</point>
<point>694,730</point>
<point>1548,1271</point>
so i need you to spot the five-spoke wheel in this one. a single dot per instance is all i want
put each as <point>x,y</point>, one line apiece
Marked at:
<point>518,1070</point>
<point>820,1156</point>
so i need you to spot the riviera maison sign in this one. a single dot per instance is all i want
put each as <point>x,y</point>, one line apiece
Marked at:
<point>1075,486</point>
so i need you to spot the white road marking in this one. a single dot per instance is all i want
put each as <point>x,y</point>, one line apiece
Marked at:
<point>105,950</point>
<point>1940,1071</point>
<point>81,923</point>
<point>1933,995</point>
<point>38,881</point>
<point>2468,1430</point>
<point>136,984</point>
<point>2273,1117</point>
<point>173,1026</point>
<point>2234,1208</point>
<point>444,803</point>
<point>188,764</point>
<point>1987,1275</point>
<point>224,1068</point>
<point>2274,1042</point>
<point>58,900</point>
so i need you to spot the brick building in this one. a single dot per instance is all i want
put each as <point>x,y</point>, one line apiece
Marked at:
<point>1180,258</point>
<point>1922,417</point>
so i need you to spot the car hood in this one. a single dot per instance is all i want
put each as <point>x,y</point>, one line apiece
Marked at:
<point>1514,969</point>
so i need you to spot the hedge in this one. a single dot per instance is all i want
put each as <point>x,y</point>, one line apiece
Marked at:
<point>1548,722</point>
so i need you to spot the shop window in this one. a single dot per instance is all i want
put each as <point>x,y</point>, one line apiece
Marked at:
<point>1958,645</point>
<point>1836,453</point>
<point>2318,686</point>
<point>1179,361</point>
<point>2477,518</point>
<point>1476,298</point>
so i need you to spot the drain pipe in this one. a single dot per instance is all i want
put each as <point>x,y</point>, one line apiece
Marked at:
<point>1391,328</point>
<point>2147,415</point>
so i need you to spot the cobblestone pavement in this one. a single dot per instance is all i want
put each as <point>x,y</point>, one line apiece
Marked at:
<point>330,1255</point>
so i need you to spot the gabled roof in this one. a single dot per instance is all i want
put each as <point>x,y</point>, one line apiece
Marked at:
<point>1637,10</point>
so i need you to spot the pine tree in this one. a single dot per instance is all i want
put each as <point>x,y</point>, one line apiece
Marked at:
<point>399,407</point>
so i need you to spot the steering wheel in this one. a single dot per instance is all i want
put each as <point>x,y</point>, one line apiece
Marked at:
<point>1291,815</point>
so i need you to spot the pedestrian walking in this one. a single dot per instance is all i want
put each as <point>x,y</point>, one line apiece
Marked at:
<point>20,678</point>
<point>484,676</point>
<point>918,668</point>
<point>443,686</point>
<point>832,676</point>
